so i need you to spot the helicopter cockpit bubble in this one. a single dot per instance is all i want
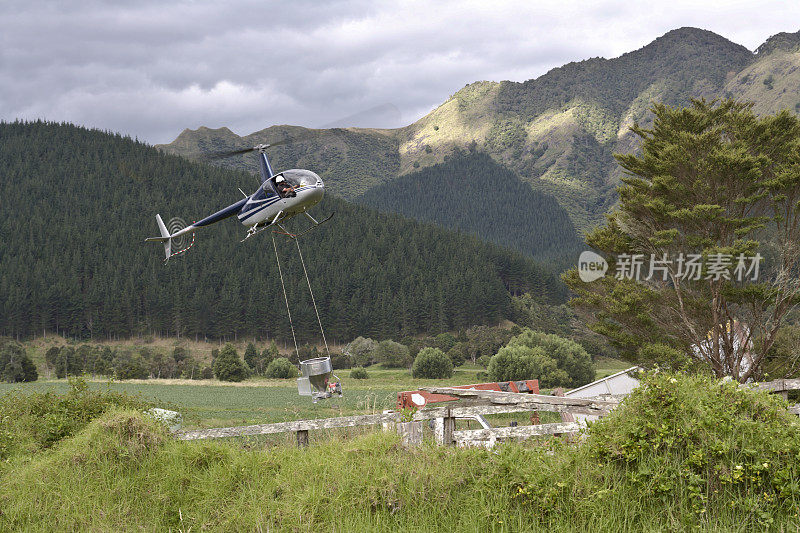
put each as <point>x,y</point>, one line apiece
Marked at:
<point>301,178</point>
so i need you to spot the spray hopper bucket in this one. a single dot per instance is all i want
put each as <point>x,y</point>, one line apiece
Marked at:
<point>318,371</point>
<point>316,374</point>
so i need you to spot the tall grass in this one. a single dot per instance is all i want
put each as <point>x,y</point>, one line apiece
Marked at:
<point>667,460</point>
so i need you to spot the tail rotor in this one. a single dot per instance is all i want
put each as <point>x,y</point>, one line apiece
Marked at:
<point>173,234</point>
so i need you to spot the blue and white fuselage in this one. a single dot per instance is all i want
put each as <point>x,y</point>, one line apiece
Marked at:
<point>268,206</point>
<point>299,190</point>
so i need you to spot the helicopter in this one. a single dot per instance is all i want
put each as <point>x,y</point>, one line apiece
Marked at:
<point>280,197</point>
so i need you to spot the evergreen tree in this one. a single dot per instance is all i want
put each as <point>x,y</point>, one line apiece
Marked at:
<point>228,366</point>
<point>251,355</point>
<point>717,181</point>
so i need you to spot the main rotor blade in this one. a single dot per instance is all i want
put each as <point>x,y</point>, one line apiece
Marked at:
<point>228,153</point>
<point>311,134</point>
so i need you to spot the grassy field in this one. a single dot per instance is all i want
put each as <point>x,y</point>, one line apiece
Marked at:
<point>211,403</point>
<point>681,454</point>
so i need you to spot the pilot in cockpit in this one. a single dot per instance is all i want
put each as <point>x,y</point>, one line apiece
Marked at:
<point>284,189</point>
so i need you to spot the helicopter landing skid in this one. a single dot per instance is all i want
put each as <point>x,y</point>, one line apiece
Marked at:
<point>252,231</point>
<point>296,235</point>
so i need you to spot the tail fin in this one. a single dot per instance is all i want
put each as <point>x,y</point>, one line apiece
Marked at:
<point>165,237</point>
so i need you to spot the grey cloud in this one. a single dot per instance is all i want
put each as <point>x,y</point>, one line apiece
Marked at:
<point>151,69</point>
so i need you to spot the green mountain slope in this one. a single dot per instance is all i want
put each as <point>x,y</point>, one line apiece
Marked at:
<point>349,160</point>
<point>475,194</point>
<point>78,204</point>
<point>558,131</point>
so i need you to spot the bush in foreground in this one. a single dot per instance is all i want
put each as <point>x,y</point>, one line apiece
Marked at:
<point>281,368</point>
<point>432,363</point>
<point>690,449</point>
<point>31,421</point>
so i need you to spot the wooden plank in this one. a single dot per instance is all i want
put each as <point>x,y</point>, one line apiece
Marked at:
<point>410,433</point>
<point>469,412</point>
<point>536,402</point>
<point>778,385</point>
<point>518,432</point>
<point>284,427</point>
<point>302,438</point>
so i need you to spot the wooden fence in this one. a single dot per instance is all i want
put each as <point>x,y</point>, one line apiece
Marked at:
<point>470,404</point>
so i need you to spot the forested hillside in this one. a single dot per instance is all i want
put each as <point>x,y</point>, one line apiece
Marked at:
<point>349,160</point>
<point>78,203</point>
<point>473,193</point>
<point>557,131</point>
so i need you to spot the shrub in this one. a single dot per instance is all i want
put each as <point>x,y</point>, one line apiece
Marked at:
<point>258,364</point>
<point>457,354</point>
<point>514,363</point>
<point>15,365</point>
<point>716,442</point>
<point>179,354</point>
<point>415,345</point>
<point>393,354</point>
<point>67,363</point>
<point>51,356</point>
<point>228,366</point>
<point>359,373</point>
<point>340,361</point>
<point>281,368</point>
<point>306,352</point>
<point>704,455</point>
<point>361,351</point>
<point>190,369</point>
<point>207,373</point>
<point>38,420</point>
<point>129,364</point>
<point>270,354</point>
<point>444,341</point>
<point>432,363</point>
<point>663,356</point>
<point>251,355</point>
<point>569,356</point>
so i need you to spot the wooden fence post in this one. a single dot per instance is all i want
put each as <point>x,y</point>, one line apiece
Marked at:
<point>448,427</point>
<point>410,433</point>
<point>302,438</point>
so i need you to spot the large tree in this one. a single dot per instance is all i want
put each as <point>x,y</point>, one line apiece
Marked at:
<point>704,248</point>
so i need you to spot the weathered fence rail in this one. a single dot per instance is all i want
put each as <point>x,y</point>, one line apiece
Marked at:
<point>778,386</point>
<point>471,436</point>
<point>531,402</point>
<point>470,403</point>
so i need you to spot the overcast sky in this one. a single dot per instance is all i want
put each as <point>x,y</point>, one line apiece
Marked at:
<point>151,69</point>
